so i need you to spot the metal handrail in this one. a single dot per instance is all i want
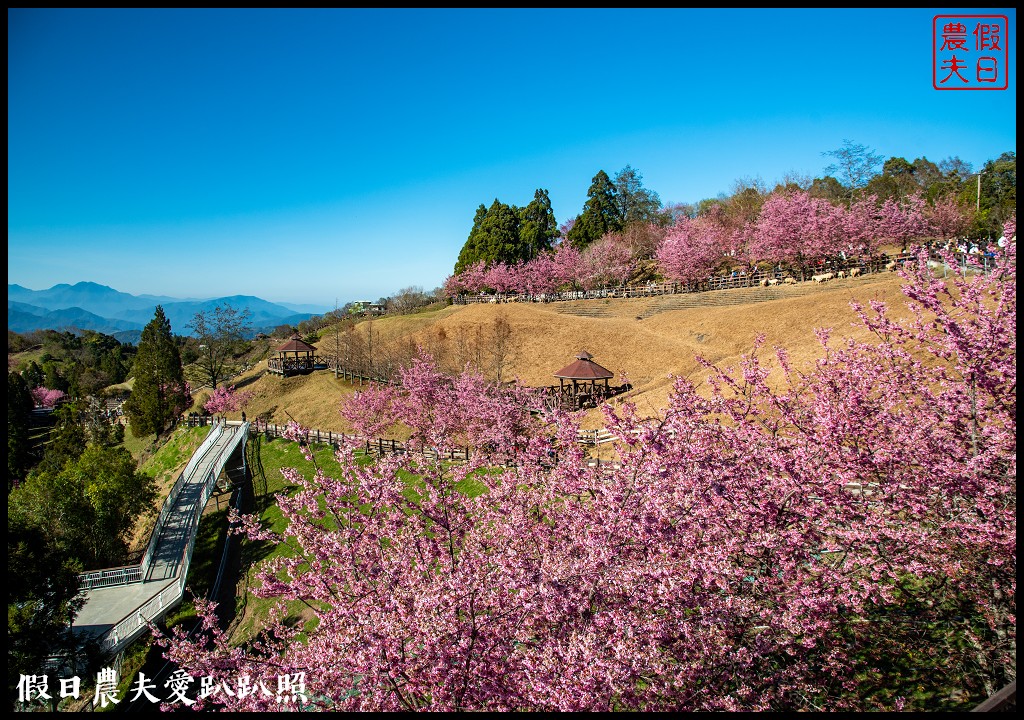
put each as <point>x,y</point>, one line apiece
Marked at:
<point>109,577</point>
<point>138,619</point>
<point>172,496</point>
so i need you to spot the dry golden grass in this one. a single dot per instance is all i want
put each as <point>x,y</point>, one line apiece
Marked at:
<point>543,341</point>
<point>311,400</point>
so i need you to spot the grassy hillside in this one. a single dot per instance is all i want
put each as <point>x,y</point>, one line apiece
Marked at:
<point>544,338</point>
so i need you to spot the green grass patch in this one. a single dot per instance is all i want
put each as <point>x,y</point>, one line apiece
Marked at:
<point>176,451</point>
<point>140,448</point>
<point>276,454</point>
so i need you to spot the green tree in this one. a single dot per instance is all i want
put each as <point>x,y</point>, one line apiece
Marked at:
<point>42,600</point>
<point>926,173</point>
<point>34,375</point>
<point>67,438</point>
<point>538,228</point>
<point>896,180</point>
<point>494,237</point>
<point>998,195</point>
<point>600,215</point>
<point>471,253</point>
<point>221,333</point>
<point>87,508</point>
<point>160,393</point>
<point>52,376</point>
<point>636,203</point>
<point>19,410</point>
<point>828,188</point>
<point>499,234</point>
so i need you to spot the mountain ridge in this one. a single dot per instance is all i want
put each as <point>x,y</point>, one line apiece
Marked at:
<point>88,305</point>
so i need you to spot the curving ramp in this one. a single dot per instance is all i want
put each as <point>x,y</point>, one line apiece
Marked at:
<point>121,602</point>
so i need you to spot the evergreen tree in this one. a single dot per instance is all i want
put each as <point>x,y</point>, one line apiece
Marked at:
<point>34,375</point>
<point>998,197</point>
<point>87,508</point>
<point>160,393</point>
<point>19,409</point>
<point>537,226</point>
<point>499,234</point>
<point>494,237</point>
<point>600,213</point>
<point>470,254</point>
<point>636,203</point>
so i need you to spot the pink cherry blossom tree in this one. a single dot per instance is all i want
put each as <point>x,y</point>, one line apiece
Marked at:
<point>692,249</point>
<point>473,279</point>
<point>501,278</point>
<point>225,399</point>
<point>607,261</point>
<point>949,218</point>
<point>540,275</point>
<point>861,226</point>
<point>798,229</point>
<point>44,397</point>
<point>767,546</point>
<point>569,267</point>
<point>904,221</point>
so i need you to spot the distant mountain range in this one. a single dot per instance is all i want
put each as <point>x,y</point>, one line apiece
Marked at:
<point>90,306</point>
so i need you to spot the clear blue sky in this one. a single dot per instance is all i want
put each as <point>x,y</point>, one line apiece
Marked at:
<point>313,155</point>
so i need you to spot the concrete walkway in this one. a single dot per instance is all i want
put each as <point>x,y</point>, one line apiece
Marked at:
<point>106,607</point>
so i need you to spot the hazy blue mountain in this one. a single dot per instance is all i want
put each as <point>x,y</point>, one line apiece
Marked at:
<point>98,299</point>
<point>308,309</point>
<point>90,306</point>
<point>26,308</point>
<point>72,318</point>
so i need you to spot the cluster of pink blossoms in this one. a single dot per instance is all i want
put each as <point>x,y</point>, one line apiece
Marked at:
<point>792,228</point>
<point>758,549</point>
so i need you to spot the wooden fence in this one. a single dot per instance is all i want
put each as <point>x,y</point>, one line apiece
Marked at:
<point>378,446</point>
<point>383,446</point>
<point>739,279</point>
<point>1004,700</point>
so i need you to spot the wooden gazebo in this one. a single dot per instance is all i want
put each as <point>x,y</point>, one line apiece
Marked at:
<point>292,358</point>
<point>580,383</point>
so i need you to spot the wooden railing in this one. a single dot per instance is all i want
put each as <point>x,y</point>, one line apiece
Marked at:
<point>378,446</point>
<point>1004,700</point>
<point>739,279</point>
<point>384,446</point>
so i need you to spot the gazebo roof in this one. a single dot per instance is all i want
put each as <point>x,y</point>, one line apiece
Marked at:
<point>295,344</point>
<point>584,369</point>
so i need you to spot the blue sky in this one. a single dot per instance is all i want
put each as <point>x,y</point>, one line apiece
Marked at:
<point>310,156</point>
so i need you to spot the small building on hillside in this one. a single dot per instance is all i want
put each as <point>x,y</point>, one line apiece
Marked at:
<point>365,307</point>
<point>293,358</point>
<point>583,383</point>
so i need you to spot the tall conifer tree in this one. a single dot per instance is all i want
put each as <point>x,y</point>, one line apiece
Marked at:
<point>159,394</point>
<point>537,226</point>
<point>600,213</point>
<point>470,253</point>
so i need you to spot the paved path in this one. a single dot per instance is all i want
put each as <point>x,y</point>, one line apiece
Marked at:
<point>106,607</point>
